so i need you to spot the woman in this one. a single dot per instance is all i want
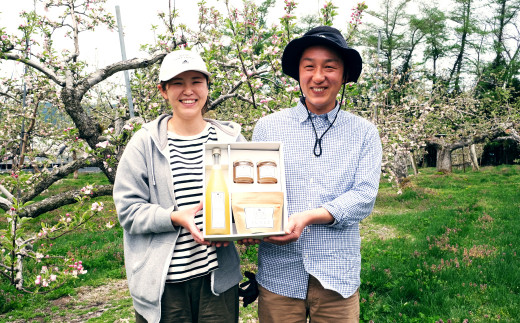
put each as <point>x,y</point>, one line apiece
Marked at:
<point>173,274</point>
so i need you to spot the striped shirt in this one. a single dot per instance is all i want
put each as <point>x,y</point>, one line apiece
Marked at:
<point>190,259</point>
<point>344,180</point>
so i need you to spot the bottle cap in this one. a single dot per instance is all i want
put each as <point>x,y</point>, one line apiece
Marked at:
<point>216,151</point>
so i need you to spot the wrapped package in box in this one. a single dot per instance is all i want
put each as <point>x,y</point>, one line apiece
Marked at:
<point>257,212</point>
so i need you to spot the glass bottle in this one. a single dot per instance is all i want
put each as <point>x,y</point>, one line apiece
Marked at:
<point>218,217</point>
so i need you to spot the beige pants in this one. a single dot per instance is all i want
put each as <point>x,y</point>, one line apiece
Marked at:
<point>321,305</point>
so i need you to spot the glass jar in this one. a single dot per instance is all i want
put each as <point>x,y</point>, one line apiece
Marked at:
<point>266,172</point>
<point>243,171</point>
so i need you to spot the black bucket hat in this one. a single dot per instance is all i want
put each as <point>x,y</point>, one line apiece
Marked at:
<point>321,36</point>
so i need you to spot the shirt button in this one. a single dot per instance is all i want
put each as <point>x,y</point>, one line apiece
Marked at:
<point>311,180</point>
<point>308,229</point>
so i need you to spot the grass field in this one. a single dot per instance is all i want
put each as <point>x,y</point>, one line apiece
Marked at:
<point>444,250</point>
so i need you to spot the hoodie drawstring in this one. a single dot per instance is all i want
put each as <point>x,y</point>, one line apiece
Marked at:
<point>150,143</point>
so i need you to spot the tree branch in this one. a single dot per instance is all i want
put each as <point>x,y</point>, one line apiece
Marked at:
<point>104,73</point>
<point>7,194</point>
<point>57,174</point>
<point>232,93</point>
<point>57,201</point>
<point>36,65</point>
<point>514,135</point>
<point>5,204</point>
<point>221,99</point>
<point>243,98</point>
<point>10,97</point>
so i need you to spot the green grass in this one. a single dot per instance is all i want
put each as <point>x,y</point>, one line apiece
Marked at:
<point>445,249</point>
<point>101,251</point>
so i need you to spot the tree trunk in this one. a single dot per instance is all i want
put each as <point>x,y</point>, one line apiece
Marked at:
<point>444,159</point>
<point>473,156</point>
<point>413,160</point>
<point>455,72</point>
<point>401,165</point>
<point>74,157</point>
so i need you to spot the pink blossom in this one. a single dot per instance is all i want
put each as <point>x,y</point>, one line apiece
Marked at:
<point>102,144</point>
<point>129,127</point>
<point>97,206</point>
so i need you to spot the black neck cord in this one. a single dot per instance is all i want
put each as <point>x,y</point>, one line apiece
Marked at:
<point>317,145</point>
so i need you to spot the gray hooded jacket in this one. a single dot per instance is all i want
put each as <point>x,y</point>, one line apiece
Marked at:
<point>144,199</point>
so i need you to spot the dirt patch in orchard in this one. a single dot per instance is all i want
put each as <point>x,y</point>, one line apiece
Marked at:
<point>89,302</point>
<point>96,298</point>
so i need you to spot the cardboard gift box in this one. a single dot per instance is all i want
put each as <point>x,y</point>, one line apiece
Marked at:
<point>257,203</point>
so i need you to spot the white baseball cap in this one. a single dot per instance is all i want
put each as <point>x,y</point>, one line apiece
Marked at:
<point>180,61</point>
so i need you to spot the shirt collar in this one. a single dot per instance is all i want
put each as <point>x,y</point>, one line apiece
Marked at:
<point>302,115</point>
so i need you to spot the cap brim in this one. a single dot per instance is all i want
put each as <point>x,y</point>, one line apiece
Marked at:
<point>293,51</point>
<point>164,78</point>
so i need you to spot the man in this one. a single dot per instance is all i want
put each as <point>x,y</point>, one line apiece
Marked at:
<point>332,166</point>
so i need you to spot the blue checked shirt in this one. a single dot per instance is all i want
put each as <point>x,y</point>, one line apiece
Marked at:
<point>344,180</point>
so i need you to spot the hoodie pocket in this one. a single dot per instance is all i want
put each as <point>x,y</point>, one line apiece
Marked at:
<point>147,277</point>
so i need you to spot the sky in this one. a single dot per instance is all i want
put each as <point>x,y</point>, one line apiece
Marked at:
<point>102,47</point>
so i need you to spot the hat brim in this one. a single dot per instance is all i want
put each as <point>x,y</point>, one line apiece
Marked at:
<point>165,77</point>
<point>293,52</point>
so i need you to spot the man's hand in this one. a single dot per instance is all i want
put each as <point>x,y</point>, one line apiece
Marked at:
<point>219,244</point>
<point>186,219</point>
<point>297,222</point>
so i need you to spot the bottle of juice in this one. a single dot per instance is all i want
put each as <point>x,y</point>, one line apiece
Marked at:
<point>218,217</point>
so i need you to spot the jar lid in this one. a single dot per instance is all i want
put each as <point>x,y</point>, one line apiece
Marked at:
<point>243,161</point>
<point>266,161</point>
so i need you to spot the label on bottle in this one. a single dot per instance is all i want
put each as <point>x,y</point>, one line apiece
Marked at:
<point>267,171</point>
<point>218,210</point>
<point>244,171</point>
<point>259,217</point>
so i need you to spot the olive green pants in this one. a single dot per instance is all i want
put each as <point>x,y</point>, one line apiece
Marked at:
<point>192,301</point>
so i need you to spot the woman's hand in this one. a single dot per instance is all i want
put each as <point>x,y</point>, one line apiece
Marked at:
<point>186,219</point>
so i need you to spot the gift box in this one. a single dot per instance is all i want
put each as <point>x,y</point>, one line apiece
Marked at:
<point>255,200</point>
